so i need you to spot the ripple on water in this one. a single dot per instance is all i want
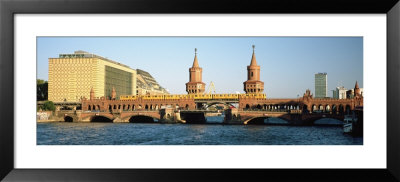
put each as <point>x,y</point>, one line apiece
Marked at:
<point>187,134</point>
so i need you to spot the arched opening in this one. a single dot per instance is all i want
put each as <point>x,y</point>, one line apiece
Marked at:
<point>141,119</point>
<point>68,119</point>
<point>133,107</point>
<point>313,108</point>
<point>256,121</point>
<point>341,109</point>
<point>109,107</point>
<point>129,107</point>
<point>265,107</point>
<point>101,119</point>
<point>348,109</point>
<point>187,107</point>
<point>321,108</point>
<point>115,106</point>
<point>258,106</point>
<point>123,107</point>
<point>251,74</point>
<point>146,107</point>
<point>328,121</point>
<point>305,109</point>
<point>334,109</point>
<point>247,106</point>
<point>89,108</point>
<point>327,108</point>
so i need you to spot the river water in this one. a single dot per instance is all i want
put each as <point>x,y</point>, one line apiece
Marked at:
<point>62,133</point>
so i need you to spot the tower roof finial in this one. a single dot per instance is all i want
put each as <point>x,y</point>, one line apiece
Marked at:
<point>195,62</point>
<point>253,58</point>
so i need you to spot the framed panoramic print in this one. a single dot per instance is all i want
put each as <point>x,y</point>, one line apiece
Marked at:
<point>199,91</point>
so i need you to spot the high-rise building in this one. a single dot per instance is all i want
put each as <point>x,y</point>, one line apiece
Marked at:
<point>253,83</point>
<point>82,74</point>
<point>195,84</point>
<point>321,85</point>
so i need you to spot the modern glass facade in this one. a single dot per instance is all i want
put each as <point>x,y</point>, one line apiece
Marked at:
<point>119,79</point>
<point>321,85</point>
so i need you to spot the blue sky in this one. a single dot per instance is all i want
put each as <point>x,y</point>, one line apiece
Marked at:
<point>288,64</point>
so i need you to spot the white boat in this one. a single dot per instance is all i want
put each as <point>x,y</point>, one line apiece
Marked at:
<point>348,122</point>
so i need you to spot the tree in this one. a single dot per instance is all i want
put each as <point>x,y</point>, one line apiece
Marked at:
<point>42,90</point>
<point>48,106</point>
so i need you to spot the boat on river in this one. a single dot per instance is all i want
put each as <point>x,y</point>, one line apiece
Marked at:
<point>348,122</point>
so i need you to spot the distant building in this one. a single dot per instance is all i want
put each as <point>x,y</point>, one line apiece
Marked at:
<point>321,85</point>
<point>340,93</point>
<point>147,85</point>
<point>72,76</point>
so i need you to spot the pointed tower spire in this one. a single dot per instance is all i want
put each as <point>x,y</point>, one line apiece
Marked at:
<point>195,62</point>
<point>253,58</point>
<point>91,94</point>
<point>357,91</point>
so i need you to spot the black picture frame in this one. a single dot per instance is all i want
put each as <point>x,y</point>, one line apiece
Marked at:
<point>9,8</point>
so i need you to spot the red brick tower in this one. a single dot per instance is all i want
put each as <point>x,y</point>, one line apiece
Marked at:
<point>91,94</point>
<point>357,91</point>
<point>195,85</point>
<point>253,83</point>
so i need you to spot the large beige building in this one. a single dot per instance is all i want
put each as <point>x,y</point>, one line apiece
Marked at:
<point>71,76</point>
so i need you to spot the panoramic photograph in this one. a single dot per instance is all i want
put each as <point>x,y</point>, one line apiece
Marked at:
<point>199,91</point>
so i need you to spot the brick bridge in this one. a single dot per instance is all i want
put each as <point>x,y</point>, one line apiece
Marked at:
<point>305,109</point>
<point>292,117</point>
<point>126,116</point>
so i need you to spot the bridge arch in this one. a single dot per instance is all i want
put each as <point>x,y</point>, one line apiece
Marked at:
<point>101,119</point>
<point>321,108</point>
<point>334,109</point>
<point>260,120</point>
<point>68,119</point>
<point>327,108</point>
<point>141,119</point>
<point>305,108</point>
<point>327,121</point>
<point>341,109</point>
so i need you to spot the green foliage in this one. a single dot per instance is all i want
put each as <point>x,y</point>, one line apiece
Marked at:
<point>48,106</point>
<point>42,90</point>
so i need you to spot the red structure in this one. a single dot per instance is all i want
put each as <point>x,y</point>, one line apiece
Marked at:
<point>253,83</point>
<point>195,84</point>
